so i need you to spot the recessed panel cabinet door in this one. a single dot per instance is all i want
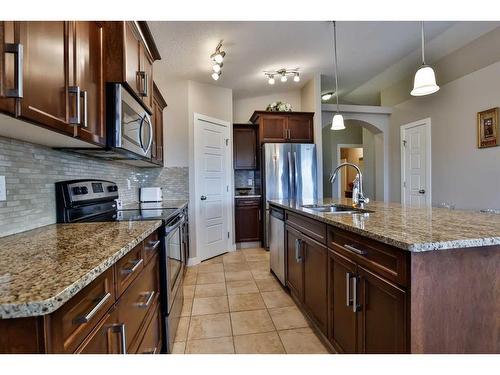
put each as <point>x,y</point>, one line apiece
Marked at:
<point>8,57</point>
<point>294,266</point>
<point>88,71</point>
<point>247,222</point>
<point>145,79</point>
<point>245,148</point>
<point>46,73</point>
<point>273,129</point>
<point>382,322</point>
<point>106,337</point>
<point>343,318</point>
<point>300,129</point>
<point>316,281</point>
<point>132,52</point>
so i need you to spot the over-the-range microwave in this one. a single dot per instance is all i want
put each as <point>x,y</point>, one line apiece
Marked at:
<point>129,129</point>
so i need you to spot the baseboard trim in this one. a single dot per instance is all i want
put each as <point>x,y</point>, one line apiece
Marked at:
<point>248,245</point>
<point>193,261</point>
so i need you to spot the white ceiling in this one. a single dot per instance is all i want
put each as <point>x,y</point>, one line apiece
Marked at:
<point>368,52</point>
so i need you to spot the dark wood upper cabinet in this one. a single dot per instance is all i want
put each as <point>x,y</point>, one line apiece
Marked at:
<point>342,331</point>
<point>8,57</point>
<point>245,153</point>
<point>382,326</point>
<point>87,41</point>
<point>159,105</point>
<point>130,53</point>
<point>284,127</point>
<point>315,259</point>
<point>47,75</point>
<point>248,219</point>
<point>293,259</point>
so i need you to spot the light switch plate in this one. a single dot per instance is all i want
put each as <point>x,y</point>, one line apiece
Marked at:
<point>3,189</point>
<point>250,182</point>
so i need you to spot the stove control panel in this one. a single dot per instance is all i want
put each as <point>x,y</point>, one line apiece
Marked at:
<point>81,191</point>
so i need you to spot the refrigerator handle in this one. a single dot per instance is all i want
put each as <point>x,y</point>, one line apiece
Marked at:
<point>291,173</point>
<point>295,177</point>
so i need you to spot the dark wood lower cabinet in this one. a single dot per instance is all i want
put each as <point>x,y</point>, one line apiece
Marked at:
<point>342,332</point>
<point>106,337</point>
<point>382,326</point>
<point>315,259</point>
<point>248,219</point>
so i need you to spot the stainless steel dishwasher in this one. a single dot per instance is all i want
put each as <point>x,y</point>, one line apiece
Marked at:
<point>277,242</point>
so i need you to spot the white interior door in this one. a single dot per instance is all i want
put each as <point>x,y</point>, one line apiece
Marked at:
<point>416,163</point>
<point>212,193</point>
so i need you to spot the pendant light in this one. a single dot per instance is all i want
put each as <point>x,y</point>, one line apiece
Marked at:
<point>338,120</point>
<point>425,79</point>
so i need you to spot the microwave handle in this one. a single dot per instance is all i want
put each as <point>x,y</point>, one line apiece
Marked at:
<point>150,133</point>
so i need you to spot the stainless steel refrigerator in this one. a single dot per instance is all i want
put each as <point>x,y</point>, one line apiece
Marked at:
<point>289,172</point>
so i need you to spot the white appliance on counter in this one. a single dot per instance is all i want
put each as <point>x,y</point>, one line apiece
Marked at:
<point>151,194</point>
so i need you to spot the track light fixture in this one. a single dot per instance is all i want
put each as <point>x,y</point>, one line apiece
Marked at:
<point>327,96</point>
<point>217,58</point>
<point>283,75</point>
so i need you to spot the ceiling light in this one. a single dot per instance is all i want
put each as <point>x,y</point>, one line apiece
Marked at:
<point>216,68</point>
<point>271,79</point>
<point>296,77</point>
<point>218,57</point>
<point>338,120</point>
<point>326,96</point>
<point>425,79</point>
<point>283,77</point>
<point>216,76</point>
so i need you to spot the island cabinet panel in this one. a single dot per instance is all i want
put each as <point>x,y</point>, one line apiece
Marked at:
<point>245,147</point>
<point>315,259</point>
<point>343,326</point>
<point>382,315</point>
<point>294,272</point>
<point>151,342</point>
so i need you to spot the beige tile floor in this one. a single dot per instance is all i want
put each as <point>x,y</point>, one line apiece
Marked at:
<point>233,304</point>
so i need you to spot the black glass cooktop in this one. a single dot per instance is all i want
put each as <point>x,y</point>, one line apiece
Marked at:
<point>135,215</point>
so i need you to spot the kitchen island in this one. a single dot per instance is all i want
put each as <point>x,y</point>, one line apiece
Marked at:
<point>395,279</point>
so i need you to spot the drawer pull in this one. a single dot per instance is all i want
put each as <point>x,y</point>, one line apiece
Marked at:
<point>355,250</point>
<point>355,294</point>
<point>91,313</point>
<point>120,328</point>
<point>17,50</point>
<point>348,300</point>
<point>150,351</point>
<point>153,245</point>
<point>134,268</point>
<point>145,304</point>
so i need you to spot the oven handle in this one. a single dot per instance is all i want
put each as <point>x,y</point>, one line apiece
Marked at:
<point>177,224</point>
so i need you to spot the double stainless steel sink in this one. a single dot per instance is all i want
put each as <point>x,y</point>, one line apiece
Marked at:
<point>336,209</point>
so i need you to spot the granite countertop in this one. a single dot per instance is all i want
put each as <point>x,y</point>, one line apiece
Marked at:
<point>41,269</point>
<point>410,228</point>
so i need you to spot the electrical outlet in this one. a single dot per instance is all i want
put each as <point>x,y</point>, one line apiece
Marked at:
<point>3,189</point>
<point>250,182</point>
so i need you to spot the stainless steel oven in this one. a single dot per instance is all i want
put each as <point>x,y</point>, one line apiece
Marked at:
<point>129,124</point>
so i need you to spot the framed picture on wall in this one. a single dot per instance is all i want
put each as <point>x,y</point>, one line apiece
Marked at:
<point>487,128</point>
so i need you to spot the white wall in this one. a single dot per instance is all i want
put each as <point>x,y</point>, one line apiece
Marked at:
<point>244,107</point>
<point>462,174</point>
<point>215,102</point>
<point>369,166</point>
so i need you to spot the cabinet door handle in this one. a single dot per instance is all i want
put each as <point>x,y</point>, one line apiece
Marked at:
<point>93,311</point>
<point>137,263</point>
<point>289,133</point>
<point>153,245</point>
<point>355,250</point>
<point>354,294</point>
<point>120,328</point>
<point>17,50</point>
<point>298,244</point>
<point>348,300</point>
<point>145,304</point>
<point>75,120</point>
<point>150,351</point>
<point>84,95</point>
<point>143,79</point>
<point>260,215</point>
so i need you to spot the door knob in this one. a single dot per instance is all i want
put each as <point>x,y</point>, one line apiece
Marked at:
<point>203,198</point>
<point>421,191</point>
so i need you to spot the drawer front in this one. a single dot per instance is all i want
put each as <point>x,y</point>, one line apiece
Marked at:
<point>138,299</point>
<point>128,267</point>
<point>106,338</point>
<point>377,257</point>
<point>312,228</point>
<point>247,201</point>
<point>75,319</point>
<point>151,246</point>
<point>151,342</point>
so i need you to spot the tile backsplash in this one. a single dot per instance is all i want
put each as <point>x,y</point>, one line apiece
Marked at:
<point>32,170</point>
<point>241,178</point>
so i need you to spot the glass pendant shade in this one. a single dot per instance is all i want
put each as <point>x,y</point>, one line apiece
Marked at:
<point>424,82</point>
<point>338,122</point>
